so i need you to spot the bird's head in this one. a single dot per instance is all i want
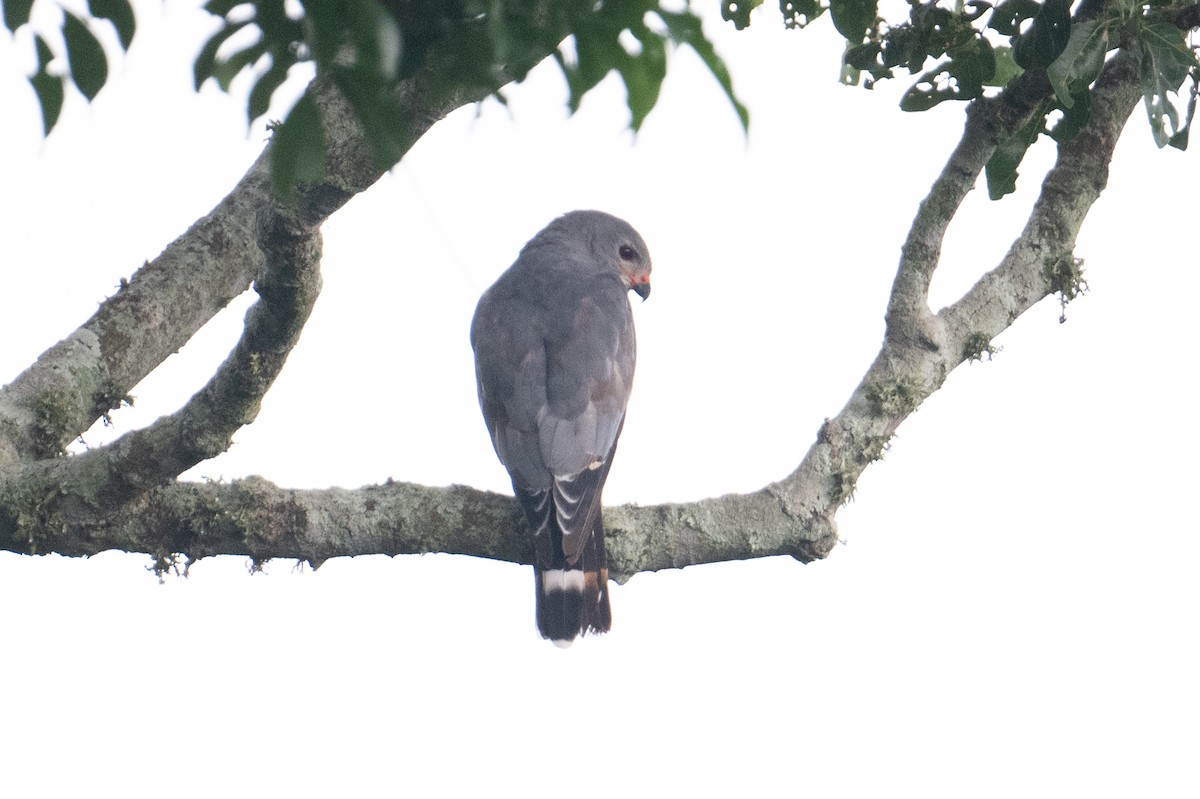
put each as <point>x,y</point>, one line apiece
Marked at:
<point>634,263</point>
<point>610,243</point>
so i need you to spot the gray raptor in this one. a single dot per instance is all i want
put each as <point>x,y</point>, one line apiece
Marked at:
<point>554,357</point>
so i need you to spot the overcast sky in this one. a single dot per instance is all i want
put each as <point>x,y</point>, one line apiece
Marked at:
<point>1013,611</point>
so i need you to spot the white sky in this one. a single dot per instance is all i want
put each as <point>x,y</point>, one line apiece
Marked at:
<point>1013,611</point>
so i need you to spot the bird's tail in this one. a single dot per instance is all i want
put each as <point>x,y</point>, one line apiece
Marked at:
<point>570,582</point>
<point>572,599</point>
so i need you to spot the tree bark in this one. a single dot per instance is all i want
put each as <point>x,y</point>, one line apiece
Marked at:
<point>125,495</point>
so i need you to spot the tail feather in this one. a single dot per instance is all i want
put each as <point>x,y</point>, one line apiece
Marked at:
<point>570,572</point>
<point>571,602</point>
<point>571,598</point>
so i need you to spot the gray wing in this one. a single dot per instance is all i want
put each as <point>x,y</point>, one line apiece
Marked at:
<point>508,338</point>
<point>554,380</point>
<point>589,374</point>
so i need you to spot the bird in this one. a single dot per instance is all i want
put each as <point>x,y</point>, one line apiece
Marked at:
<point>555,350</point>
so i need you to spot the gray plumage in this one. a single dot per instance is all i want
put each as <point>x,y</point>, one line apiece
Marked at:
<point>554,360</point>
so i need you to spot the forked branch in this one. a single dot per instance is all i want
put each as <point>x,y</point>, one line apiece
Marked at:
<point>794,516</point>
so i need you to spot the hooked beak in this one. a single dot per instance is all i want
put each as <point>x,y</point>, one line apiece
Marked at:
<point>642,289</point>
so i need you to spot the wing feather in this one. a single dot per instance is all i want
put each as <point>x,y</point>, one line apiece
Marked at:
<point>555,350</point>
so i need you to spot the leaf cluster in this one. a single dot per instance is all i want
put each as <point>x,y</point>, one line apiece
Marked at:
<point>957,49</point>
<point>631,38</point>
<point>369,47</point>
<point>962,49</point>
<point>86,64</point>
<point>931,32</point>
<point>796,13</point>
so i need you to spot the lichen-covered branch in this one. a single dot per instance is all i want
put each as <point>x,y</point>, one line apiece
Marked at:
<point>42,509</point>
<point>101,481</point>
<point>63,501</point>
<point>989,122</point>
<point>258,519</point>
<point>167,301</point>
<point>91,371</point>
<point>912,365</point>
<point>1041,261</point>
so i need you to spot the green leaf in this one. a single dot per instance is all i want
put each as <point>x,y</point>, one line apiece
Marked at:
<point>206,61</point>
<point>16,13</point>
<point>1166,61</point>
<point>1006,67</point>
<point>1074,117</point>
<point>1180,140</point>
<point>326,32</point>
<point>264,87</point>
<point>599,50</point>
<point>517,37</point>
<point>738,11</point>
<point>510,42</point>
<point>386,125</point>
<point>1047,37</point>
<point>1008,15</point>
<point>799,13</point>
<point>1001,168</point>
<point>49,88</point>
<point>221,8</point>
<point>853,17</point>
<point>971,65</point>
<point>119,13</point>
<point>595,56</point>
<point>377,40</point>
<point>298,147</point>
<point>684,28</point>
<point>974,9</point>
<point>643,75</point>
<point>278,29</point>
<point>862,56</point>
<point>1080,62</point>
<point>89,68</point>
<point>852,59</point>
<point>924,95</point>
<point>1166,58</point>
<point>229,69</point>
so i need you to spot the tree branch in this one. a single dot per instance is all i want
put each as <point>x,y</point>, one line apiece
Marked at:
<point>990,121</point>
<point>90,372</point>
<point>99,482</point>
<point>1040,261</point>
<point>904,375</point>
<point>255,518</point>
<point>794,516</point>
<point>167,301</point>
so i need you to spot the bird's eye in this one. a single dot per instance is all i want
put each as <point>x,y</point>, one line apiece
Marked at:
<point>626,252</point>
